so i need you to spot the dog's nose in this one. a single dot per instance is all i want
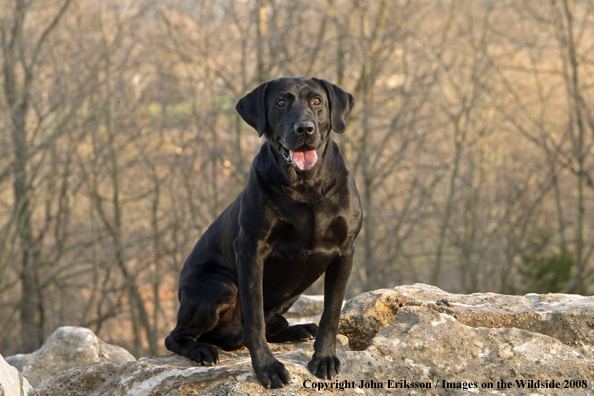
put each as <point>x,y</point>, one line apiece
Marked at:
<point>305,126</point>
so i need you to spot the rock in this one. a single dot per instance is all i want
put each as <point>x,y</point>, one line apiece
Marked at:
<point>435,349</point>
<point>177,376</point>
<point>567,318</point>
<point>306,306</point>
<point>12,382</point>
<point>66,348</point>
<point>415,342</point>
<point>307,309</point>
<point>363,316</point>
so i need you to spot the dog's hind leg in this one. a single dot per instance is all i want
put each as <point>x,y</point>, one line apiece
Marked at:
<point>181,342</point>
<point>207,315</point>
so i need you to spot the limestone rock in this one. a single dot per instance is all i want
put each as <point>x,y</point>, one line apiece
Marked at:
<point>12,382</point>
<point>66,348</point>
<point>410,340</point>
<point>426,347</point>
<point>307,309</point>
<point>177,376</point>
<point>419,348</point>
<point>567,318</point>
<point>363,316</point>
<point>306,305</point>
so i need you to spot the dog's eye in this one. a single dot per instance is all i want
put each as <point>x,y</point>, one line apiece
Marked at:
<point>280,103</point>
<point>317,101</point>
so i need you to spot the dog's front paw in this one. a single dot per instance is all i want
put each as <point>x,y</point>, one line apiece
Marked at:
<point>325,367</point>
<point>272,373</point>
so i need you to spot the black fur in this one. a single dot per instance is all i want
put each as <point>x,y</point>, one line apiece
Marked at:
<point>284,230</point>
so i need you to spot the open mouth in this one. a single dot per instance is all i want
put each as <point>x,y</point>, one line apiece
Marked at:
<point>302,158</point>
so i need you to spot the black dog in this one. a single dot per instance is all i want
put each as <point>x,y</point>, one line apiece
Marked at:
<point>296,219</point>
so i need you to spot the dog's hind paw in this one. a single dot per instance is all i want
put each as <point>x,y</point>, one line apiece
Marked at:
<point>203,353</point>
<point>302,332</point>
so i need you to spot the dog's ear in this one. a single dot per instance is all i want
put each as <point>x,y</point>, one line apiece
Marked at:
<point>252,108</point>
<point>340,104</point>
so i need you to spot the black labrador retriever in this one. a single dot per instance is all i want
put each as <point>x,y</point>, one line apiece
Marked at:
<point>297,218</point>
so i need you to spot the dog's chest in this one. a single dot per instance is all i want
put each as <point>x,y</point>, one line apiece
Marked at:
<point>306,231</point>
<point>302,245</point>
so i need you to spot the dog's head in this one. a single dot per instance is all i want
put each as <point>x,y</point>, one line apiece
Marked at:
<point>296,115</point>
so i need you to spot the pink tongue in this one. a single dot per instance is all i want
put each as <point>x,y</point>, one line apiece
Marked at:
<point>304,159</point>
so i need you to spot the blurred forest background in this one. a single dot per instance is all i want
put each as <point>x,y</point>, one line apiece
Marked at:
<point>472,142</point>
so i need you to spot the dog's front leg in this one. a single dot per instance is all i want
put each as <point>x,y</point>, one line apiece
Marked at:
<point>250,265</point>
<point>324,363</point>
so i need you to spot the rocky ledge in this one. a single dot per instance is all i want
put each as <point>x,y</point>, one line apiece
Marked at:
<point>12,382</point>
<point>407,340</point>
<point>67,347</point>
